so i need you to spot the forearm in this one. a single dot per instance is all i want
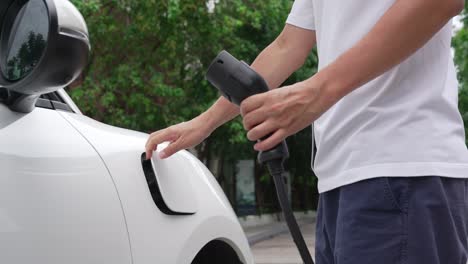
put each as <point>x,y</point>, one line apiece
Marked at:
<point>404,28</point>
<point>282,58</point>
<point>275,64</point>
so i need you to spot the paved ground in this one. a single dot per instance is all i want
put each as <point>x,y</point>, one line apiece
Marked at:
<point>271,242</point>
<point>281,249</point>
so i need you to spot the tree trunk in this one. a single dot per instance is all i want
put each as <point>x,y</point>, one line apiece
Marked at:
<point>307,193</point>
<point>234,191</point>
<point>259,193</point>
<point>220,172</point>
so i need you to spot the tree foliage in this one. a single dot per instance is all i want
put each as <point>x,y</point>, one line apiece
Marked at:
<point>460,44</point>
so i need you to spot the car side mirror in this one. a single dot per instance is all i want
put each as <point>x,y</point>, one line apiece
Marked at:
<point>44,46</point>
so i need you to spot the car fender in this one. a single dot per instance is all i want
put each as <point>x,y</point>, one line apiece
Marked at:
<point>58,203</point>
<point>153,234</point>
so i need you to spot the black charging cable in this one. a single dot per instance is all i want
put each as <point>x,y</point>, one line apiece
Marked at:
<point>274,160</point>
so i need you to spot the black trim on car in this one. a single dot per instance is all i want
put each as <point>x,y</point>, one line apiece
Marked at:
<point>44,103</point>
<point>4,95</point>
<point>53,101</point>
<point>154,188</point>
<point>61,106</point>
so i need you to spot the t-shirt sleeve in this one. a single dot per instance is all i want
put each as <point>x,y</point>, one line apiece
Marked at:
<point>302,14</point>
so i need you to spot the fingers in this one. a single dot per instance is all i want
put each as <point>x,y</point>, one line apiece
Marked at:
<point>254,118</point>
<point>251,103</point>
<point>261,131</point>
<point>170,150</point>
<point>157,138</point>
<point>271,141</point>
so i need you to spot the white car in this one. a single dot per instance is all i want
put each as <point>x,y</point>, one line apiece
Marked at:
<point>76,191</point>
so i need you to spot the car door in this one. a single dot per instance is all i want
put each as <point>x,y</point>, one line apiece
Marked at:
<point>58,203</point>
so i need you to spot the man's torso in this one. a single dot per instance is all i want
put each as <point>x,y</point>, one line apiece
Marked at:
<point>404,123</point>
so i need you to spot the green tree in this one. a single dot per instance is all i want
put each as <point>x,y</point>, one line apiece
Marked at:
<point>27,56</point>
<point>460,44</point>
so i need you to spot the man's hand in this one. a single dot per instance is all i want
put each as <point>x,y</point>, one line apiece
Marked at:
<point>181,136</point>
<point>283,112</point>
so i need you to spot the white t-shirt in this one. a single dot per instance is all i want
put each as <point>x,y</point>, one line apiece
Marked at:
<point>404,123</point>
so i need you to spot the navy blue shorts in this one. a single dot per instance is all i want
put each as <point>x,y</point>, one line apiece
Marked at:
<point>394,220</point>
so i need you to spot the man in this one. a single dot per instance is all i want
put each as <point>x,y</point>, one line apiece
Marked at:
<point>391,158</point>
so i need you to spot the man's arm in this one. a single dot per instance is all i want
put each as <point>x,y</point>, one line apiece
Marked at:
<point>275,64</point>
<point>403,29</point>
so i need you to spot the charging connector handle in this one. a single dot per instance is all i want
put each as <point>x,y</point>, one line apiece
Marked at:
<point>237,81</point>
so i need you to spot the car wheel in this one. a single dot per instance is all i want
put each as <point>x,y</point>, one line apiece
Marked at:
<point>217,251</point>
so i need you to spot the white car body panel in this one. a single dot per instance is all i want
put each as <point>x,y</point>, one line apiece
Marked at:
<point>175,185</point>
<point>58,203</point>
<point>154,236</point>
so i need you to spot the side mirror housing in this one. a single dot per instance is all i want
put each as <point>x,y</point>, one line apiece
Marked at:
<point>44,46</point>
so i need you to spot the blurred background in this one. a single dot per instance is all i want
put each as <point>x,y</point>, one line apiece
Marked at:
<point>147,68</point>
